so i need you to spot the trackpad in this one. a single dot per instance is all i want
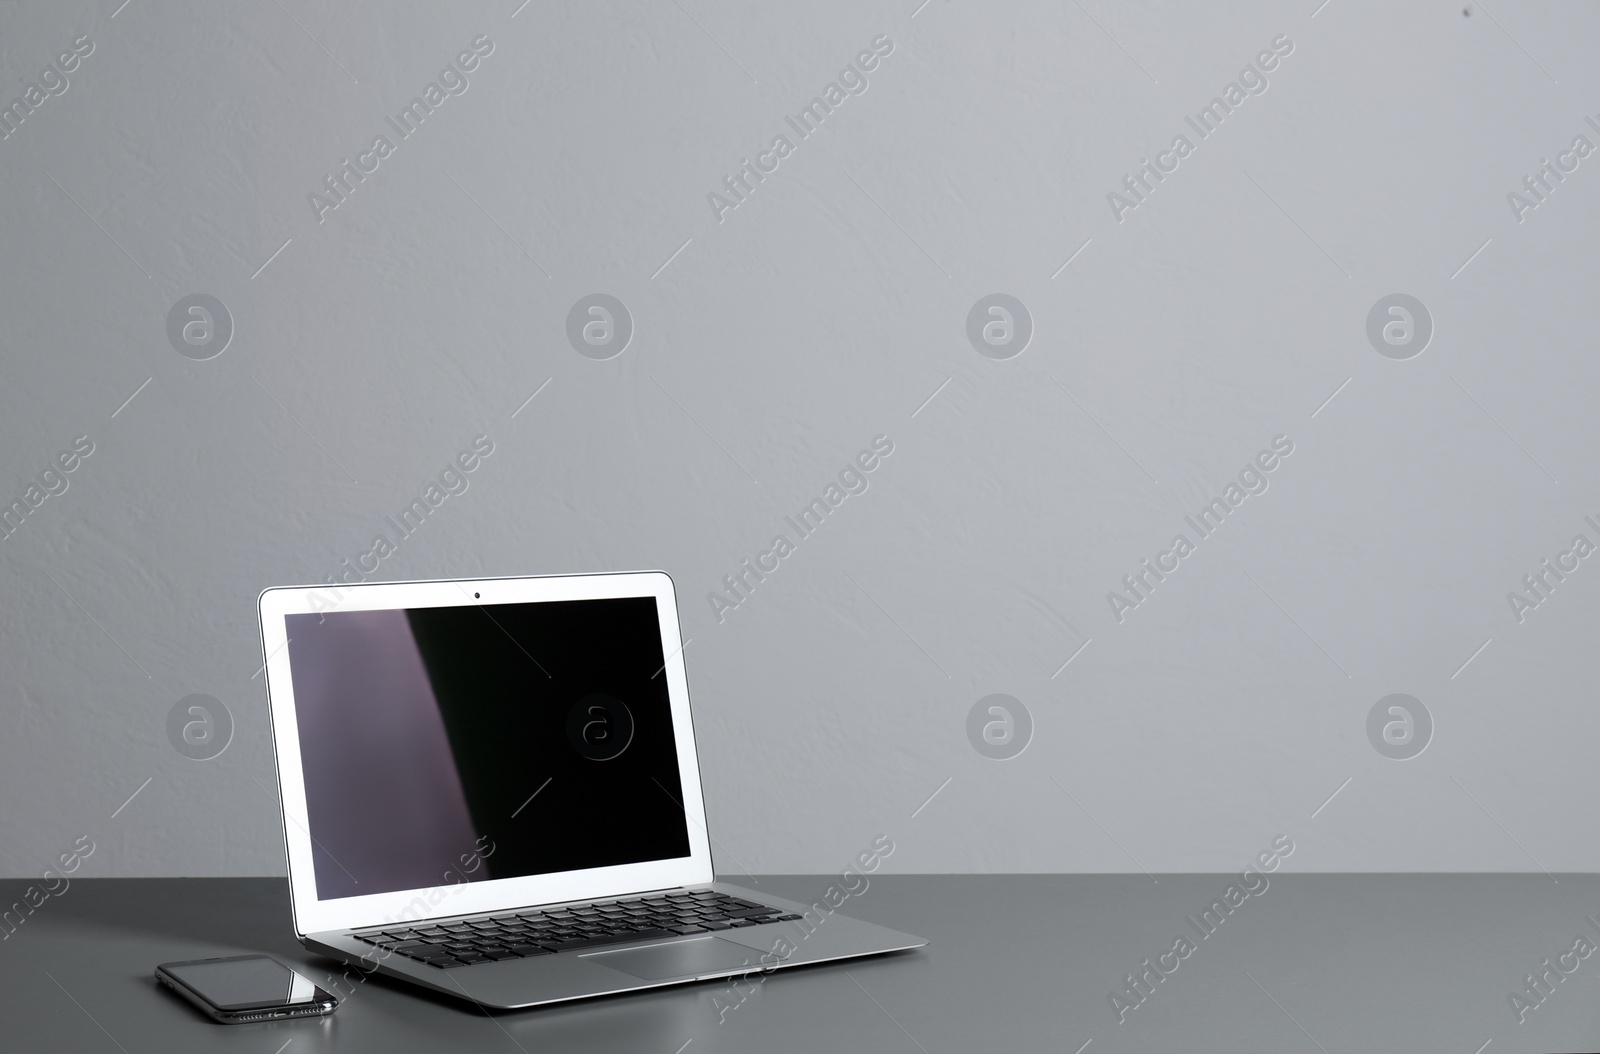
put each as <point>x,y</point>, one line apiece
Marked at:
<point>690,958</point>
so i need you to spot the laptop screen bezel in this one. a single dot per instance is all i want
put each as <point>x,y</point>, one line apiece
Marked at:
<point>314,915</point>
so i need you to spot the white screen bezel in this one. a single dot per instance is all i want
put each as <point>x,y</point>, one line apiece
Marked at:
<point>312,915</point>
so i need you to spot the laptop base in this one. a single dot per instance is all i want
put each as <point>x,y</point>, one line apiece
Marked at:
<point>818,936</point>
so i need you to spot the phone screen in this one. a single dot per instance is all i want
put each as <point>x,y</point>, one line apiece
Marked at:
<point>246,983</point>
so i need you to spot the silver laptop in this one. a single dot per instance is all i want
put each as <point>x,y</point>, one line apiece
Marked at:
<point>490,788</point>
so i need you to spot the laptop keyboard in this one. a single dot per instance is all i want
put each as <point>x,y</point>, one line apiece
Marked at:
<point>574,927</point>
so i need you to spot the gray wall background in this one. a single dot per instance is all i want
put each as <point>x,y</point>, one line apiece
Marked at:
<point>827,309</point>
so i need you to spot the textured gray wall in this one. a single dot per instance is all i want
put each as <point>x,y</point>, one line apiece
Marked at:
<point>374,340</point>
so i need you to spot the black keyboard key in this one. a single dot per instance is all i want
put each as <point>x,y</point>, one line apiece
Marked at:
<point>714,924</point>
<point>527,950</point>
<point>609,938</point>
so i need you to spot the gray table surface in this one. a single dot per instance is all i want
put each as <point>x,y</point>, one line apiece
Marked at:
<point>1330,963</point>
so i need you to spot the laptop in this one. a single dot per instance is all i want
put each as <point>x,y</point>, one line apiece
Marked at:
<point>490,788</point>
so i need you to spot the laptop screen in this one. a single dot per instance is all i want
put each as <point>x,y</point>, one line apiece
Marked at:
<point>484,742</point>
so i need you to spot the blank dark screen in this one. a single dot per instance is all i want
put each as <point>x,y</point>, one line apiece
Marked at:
<point>239,984</point>
<point>460,744</point>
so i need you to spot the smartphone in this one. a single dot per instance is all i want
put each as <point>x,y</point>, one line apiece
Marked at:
<point>238,988</point>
